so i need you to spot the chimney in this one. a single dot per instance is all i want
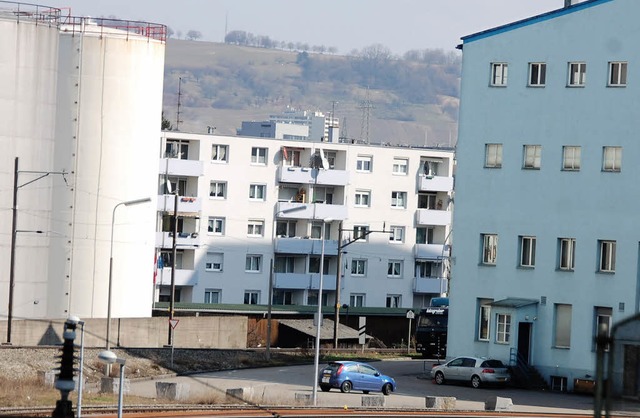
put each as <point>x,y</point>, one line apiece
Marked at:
<point>567,3</point>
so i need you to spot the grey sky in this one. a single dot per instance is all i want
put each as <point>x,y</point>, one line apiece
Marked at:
<point>401,25</point>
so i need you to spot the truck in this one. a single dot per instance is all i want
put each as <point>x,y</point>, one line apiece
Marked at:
<point>431,329</point>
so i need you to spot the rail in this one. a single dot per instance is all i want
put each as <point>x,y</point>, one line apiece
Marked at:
<point>114,27</point>
<point>30,13</point>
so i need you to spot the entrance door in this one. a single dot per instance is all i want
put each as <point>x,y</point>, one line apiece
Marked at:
<point>524,341</point>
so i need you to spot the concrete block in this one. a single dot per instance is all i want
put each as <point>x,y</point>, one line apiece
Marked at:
<point>446,403</point>
<point>373,400</point>
<point>303,398</point>
<point>239,395</point>
<point>111,385</point>
<point>48,377</point>
<point>496,403</point>
<point>172,391</point>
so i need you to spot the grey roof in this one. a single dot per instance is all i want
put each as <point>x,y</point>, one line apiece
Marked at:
<point>514,302</point>
<point>326,331</point>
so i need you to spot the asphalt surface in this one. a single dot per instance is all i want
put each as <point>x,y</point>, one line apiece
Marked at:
<point>282,385</point>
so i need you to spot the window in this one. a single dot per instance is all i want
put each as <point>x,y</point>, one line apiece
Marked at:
<point>284,264</point>
<point>571,158</point>
<point>484,319</point>
<point>430,168</point>
<point>400,166</point>
<point>607,256</point>
<point>257,191</point>
<point>399,199</point>
<point>360,232</point>
<point>394,301</point>
<point>567,253</point>
<point>363,163</point>
<point>282,297</point>
<point>291,157</point>
<point>562,326</point>
<point>216,226</point>
<point>617,74</point>
<point>176,185</point>
<point>427,269</point>
<point>358,267</point>
<point>176,149</point>
<point>251,297</point>
<point>212,295</point>
<point>532,156</point>
<point>503,328</point>
<point>499,72</point>
<point>577,74</point>
<point>363,198</point>
<point>214,262</point>
<point>255,228</point>
<point>218,189</point>
<point>259,156</point>
<point>316,230</point>
<point>286,228</point>
<point>314,265</point>
<point>602,323</point>
<point>219,153</point>
<point>427,201</point>
<point>397,234</point>
<point>489,248</point>
<point>424,235</point>
<point>253,263</point>
<point>356,300</point>
<point>394,269</point>
<point>612,159</point>
<point>527,251</point>
<point>537,74</point>
<point>493,156</point>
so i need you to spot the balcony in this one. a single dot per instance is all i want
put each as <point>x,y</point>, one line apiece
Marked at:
<point>431,251</point>
<point>184,240</point>
<point>179,167</point>
<point>435,184</point>
<point>185,204</point>
<point>294,210</point>
<point>302,281</point>
<point>305,175</point>
<point>433,217</point>
<point>183,277</point>
<point>430,285</point>
<point>298,245</point>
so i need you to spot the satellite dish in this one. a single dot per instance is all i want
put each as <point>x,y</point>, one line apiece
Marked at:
<point>169,187</point>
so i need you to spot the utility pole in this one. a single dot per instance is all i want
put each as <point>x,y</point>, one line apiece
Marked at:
<point>174,255</point>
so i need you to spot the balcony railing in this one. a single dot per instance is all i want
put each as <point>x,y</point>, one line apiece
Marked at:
<point>183,240</point>
<point>435,184</point>
<point>433,217</point>
<point>294,210</point>
<point>297,245</point>
<point>431,251</point>
<point>179,167</point>
<point>430,285</point>
<point>303,281</point>
<point>307,175</point>
<point>183,277</point>
<point>185,204</point>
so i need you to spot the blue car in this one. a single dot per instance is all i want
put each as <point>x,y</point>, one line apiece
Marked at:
<point>353,375</point>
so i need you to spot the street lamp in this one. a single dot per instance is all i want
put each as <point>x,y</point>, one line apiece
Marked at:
<point>109,357</point>
<point>316,361</point>
<point>113,219</point>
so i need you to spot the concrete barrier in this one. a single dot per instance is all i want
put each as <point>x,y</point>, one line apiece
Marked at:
<point>239,395</point>
<point>496,403</point>
<point>48,377</point>
<point>446,403</point>
<point>111,385</point>
<point>303,398</point>
<point>172,391</point>
<point>373,400</point>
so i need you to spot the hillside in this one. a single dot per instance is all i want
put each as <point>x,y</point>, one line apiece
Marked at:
<point>397,101</point>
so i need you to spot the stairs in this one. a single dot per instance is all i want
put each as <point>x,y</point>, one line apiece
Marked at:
<point>524,375</point>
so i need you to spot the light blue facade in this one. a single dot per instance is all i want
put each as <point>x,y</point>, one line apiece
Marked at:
<point>589,205</point>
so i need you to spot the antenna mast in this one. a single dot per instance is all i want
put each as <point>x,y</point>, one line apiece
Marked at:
<point>178,121</point>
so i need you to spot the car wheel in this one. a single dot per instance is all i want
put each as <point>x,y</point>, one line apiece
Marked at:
<point>387,389</point>
<point>366,392</point>
<point>439,378</point>
<point>346,386</point>
<point>475,382</point>
<point>325,388</point>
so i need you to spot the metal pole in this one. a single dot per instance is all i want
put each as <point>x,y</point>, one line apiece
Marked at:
<point>113,221</point>
<point>409,338</point>
<point>319,325</point>
<point>336,316</point>
<point>12,263</point>
<point>270,302</point>
<point>81,366</point>
<point>174,255</point>
<point>121,387</point>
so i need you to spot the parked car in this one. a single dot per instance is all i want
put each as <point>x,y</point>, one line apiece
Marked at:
<point>353,375</point>
<point>477,371</point>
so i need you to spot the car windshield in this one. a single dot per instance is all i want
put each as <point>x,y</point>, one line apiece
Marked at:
<point>492,363</point>
<point>333,366</point>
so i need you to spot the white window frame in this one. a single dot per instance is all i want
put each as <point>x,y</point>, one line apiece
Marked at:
<point>253,263</point>
<point>259,156</point>
<point>360,232</point>
<point>177,148</point>
<point>400,166</point>
<point>602,316</point>
<point>364,164</point>
<point>577,74</point>
<point>503,328</point>
<point>214,262</point>
<point>499,74</point>
<point>607,259</point>
<point>216,225</point>
<point>537,74</point>
<point>484,322</point>
<point>562,325</point>
<point>612,159</point>
<point>397,234</point>
<point>394,269</point>
<point>362,198</point>
<point>220,153</point>
<point>527,251</point>
<point>489,249</point>
<point>532,157</point>
<point>255,190</point>
<point>218,189</point>
<point>394,301</point>
<point>359,267</point>
<point>255,228</point>
<point>399,200</point>
<point>571,157</point>
<point>357,300</point>
<point>251,297</point>
<point>493,156</point>
<point>210,293</point>
<point>567,254</point>
<point>618,74</point>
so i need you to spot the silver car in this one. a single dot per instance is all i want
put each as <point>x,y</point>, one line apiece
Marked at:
<point>477,371</point>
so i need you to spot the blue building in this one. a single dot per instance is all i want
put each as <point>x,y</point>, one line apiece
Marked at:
<point>546,237</point>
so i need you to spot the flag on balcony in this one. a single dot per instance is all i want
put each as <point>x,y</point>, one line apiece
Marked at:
<point>285,153</point>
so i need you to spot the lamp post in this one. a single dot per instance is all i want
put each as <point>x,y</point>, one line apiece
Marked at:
<point>113,219</point>
<point>316,361</point>
<point>109,357</point>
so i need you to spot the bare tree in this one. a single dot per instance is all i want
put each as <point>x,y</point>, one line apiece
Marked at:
<point>194,35</point>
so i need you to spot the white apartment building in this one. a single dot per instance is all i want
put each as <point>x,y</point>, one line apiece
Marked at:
<point>319,124</point>
<point>251,211</point>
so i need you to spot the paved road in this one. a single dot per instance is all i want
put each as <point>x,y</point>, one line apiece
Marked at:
<point>279,385</point>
